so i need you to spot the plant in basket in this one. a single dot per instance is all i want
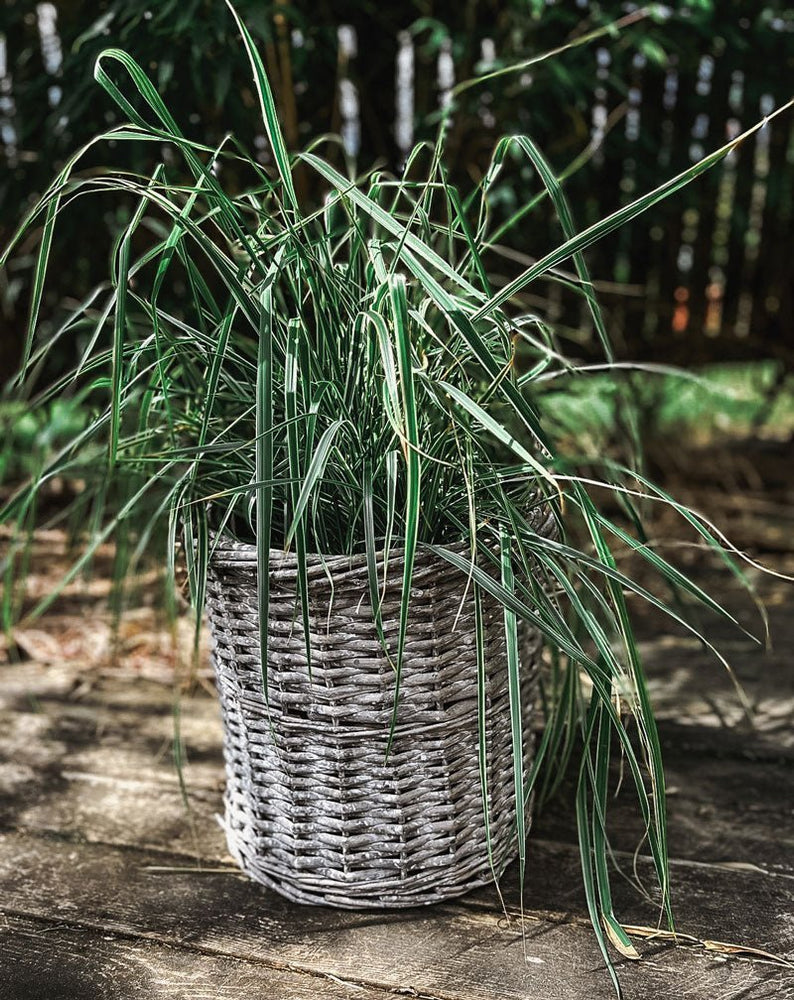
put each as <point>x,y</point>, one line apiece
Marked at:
<point>333,416</point>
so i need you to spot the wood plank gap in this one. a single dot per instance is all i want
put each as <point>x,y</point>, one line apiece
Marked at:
<point>440,952</point>
<point>124,934</point>
<point>42,961</point>
<point>482,904</point>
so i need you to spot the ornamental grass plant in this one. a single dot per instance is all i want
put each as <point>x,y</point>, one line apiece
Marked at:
<point>348,379</point>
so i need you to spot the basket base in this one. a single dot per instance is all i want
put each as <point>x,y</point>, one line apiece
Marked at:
<point>431,886</point>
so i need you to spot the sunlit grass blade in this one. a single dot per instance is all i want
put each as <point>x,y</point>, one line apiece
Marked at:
<point>482,720</point>
<point>170,129</point>
<point>586,856</point>
<point>488,423</point>
<point>557,632</point>
<point>627,409</point>
<point>516,709</point>
<point>371,554</point>
<point>413,467</point>
<point>314,475</point>
<point>294,331</point>
<point>388,222</point>
<point>120,322</point>
<point>600,796</point>
<point>644,712</point>
<point>39,277</point>
<point>565,216</point>
<point>264,473</point>
<point>611,28</point>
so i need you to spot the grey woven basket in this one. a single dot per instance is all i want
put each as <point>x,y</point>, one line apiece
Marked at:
<point>313,808</point>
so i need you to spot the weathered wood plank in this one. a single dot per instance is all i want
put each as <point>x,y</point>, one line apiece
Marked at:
<point>722,807</point>
<point>88,759</point>
<point>688,685</point>
<point>53,961</point>
<point>446,952</point>
<point>98,772</point>
<point>711,900</point>
<point>84,753</point>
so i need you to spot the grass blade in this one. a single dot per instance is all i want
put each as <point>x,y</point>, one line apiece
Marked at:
<point>294,330</point>
<point>619,218</point>
<point>269,112</point>
<point>264,472</point>
<point>399,307</point>
<point>516,711</point>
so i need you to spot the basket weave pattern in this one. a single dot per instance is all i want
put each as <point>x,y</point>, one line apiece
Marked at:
<point>313,807</point>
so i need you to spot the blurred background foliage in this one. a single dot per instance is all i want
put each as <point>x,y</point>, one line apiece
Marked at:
<point>701,281</point>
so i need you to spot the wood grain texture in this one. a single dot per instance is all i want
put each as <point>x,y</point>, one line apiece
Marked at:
<point>46,961</point>
<point>90,802</point>
<point>98,768</point>
<point>443,951</point>
<point>140,812</point>
<point>83,758</point>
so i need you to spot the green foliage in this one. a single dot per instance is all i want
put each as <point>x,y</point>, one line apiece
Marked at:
<point>346,380</point>
<point>32,437</point>
<point>729,400</point>
<point>726,399</point>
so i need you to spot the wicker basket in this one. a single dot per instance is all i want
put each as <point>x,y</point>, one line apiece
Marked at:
<point>313,807</point>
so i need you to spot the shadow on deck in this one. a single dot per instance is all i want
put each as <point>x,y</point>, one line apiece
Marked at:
<point>112,889</point>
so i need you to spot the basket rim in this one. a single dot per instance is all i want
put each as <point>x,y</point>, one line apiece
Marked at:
<point>227,551</point>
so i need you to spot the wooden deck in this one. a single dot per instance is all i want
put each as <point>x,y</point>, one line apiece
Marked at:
<point>110,889</point>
